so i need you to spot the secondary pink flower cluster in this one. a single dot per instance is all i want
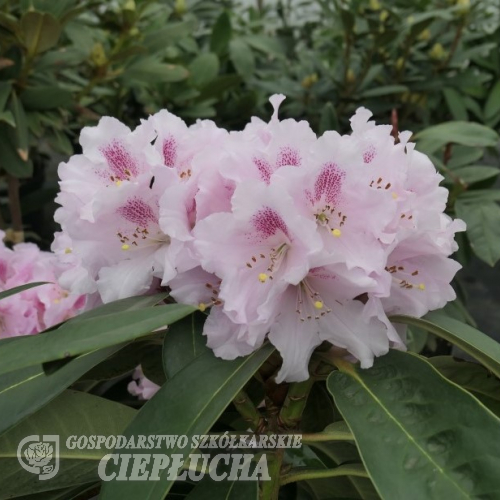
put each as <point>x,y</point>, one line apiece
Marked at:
<point>38,308</point>
<point>282,234</point>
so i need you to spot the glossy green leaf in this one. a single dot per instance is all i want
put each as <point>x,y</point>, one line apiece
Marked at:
<point>5,88</point>
<point>187,404</point>
<point>10,161</point>
<point>470,340</point>
<point>46,97</point>
<point>455,103</point>
<point>19,289</point>
<point>40,31</point>
<point>492,105</point>
<point>70,414</point>
<point>184,343</point>
<point>24,391</point>
<point>472,377</point>
<point>221,34</point>
<point>21,129</point>
<point>242,57</point>
<point>476,173</point>
<point>412,445</point>
<point>458,132</point>
<point>151,70</point>
<point>77,337</point>
<point>483,228</point>
<point>384,90</point>
<point>266,44</point>
<point>329,119</point>
<point>204,69</point>
<point>8,118</point>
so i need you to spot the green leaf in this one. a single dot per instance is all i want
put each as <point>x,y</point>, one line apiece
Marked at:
<point>473,377</point>
<point>428,451</point>
<point>476,173</point>
<point>483,228</point>
<point>19,289</point>
<point>21,129</point>
<point>184,343</point>
<point>80,336</point>
<point>242,57</point>
<point>24,391</point>
<point>492,105</point>
<point>385,90</point>
<point>266,44</point>
<point>221,34</point>
<point>43,98</point>
<point>463,156</point>
<point>5,88</point>
<point>470,340</point>
<point>455,103</point>
<point>70,414</point>
<point>204,69</point>
<point>151,70</point>
<point>8,118</point>
<point>329,119</point>
<point>187,404</point>
<point>10,161</point>
<point>464,133</point>
<point>39,31</point>
<point>172,33</point>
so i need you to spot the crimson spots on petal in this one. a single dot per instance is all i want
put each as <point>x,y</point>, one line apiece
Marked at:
<point>288,156</point>
<point>264,169</point>
<point>328,184</point>
<point>120,161</point>
<point>268,222</point>
<point>369,154</point>
<point>138,212</point>
<point>169,151</point>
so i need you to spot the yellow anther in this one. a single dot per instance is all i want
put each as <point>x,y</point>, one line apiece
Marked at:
<point>263,277</point>
<point>56,301</point>
<point>67,250</point>
<point>336,232</point>
<point>202,307</point>
<point>318,304</point>
<point>125,247</point>
<point>395,196</point>
<point>118,183</point>
<point>421,286</point>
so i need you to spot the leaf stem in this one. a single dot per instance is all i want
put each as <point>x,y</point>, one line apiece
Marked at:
<point>304,473</point>
<point>248,411</point>
<point>15,209</point>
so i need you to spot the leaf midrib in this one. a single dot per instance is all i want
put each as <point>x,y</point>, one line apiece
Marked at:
<point>409,436</point>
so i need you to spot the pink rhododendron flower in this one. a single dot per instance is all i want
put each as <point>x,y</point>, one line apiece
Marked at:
<point>141,386</point>
<point>276,233</point>
<point>38,308</point>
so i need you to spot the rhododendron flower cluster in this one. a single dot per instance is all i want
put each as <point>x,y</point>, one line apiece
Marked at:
<point>38,308</point>
<point>277,233</point>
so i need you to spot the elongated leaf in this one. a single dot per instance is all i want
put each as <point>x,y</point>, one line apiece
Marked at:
<point>188,404</point>
<point>492,106</point>
<point>40,31</point>
<point>385,90</point>
<point>221,34</point>
<point>70,414</point>
<point>412,445</point>
<point>483,228</point>
<point>455,103</point>
<point>78,337</point>
<point>458,132</point>
<point>184,343</point>
<point>24,391</point>
<point>19,289</point>
<point>242,57</point>
<point>476,173</point>
<point>473,377</point>
<point>43,98</point>
<point>204,69</point>
<point>5,88</point>
<point>470,340</point>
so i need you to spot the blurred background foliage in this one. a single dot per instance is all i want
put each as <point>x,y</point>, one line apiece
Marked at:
<point>431,66</point>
